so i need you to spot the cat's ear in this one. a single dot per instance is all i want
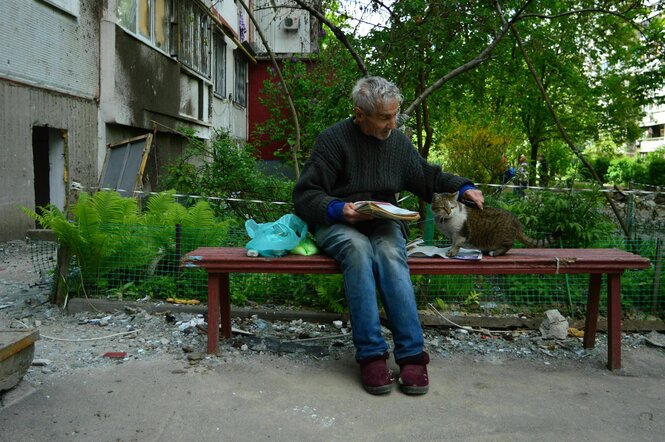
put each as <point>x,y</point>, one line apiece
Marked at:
<point>454,196</point>
<point>436,197</point>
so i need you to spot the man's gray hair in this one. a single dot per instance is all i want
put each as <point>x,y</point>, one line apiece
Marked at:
<point>369,91</point>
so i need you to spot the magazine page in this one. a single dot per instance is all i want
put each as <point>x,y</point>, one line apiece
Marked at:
<point>384,209</point>
<point>432,251</point>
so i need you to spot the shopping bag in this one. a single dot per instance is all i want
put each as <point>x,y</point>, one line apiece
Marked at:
<point>275,238</point>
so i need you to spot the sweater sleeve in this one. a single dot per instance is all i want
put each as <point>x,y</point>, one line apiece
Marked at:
<point>311,194</point>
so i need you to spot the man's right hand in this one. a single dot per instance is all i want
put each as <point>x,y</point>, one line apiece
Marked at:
<point>352,217</point>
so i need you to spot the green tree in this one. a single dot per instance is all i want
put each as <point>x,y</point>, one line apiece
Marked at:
<point>596,59</point>
<point>475,150</point>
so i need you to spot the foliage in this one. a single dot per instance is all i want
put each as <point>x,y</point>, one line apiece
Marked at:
<point>226,168</point>
<point>320,88</point>
<point>623,170</point>
<point>656,171</point>
<point>112,239</point>
<point>597,69</point>
<point>601,165</point>
<point>330,292</point>
<point>649,170</point>
<point>475,150</point>
<point>576,217</point>
<point>559,159</point>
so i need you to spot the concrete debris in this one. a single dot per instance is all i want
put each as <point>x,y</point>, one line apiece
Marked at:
<point>189,325</point>
<point>554,326</point>
<point>655,339</point>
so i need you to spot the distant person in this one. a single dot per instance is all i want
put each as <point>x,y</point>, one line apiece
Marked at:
<point>365,158</point>
<point>508,170</point>
<point>522,175</point>
<point>543,177</point>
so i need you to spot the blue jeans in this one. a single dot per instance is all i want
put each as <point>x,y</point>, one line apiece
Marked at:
<point>373,257</point>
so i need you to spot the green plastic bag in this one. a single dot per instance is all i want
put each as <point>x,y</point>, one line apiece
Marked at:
<point>306,247</point>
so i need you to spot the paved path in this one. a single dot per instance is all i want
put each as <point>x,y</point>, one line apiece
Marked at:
<point>263,397</point>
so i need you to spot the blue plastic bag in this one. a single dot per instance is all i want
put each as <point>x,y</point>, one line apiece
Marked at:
<point>275,238</point>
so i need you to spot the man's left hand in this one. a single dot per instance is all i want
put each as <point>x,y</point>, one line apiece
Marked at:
<point>474,196</point>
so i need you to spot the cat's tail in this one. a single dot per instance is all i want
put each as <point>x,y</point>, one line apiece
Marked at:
<point>548,241</point>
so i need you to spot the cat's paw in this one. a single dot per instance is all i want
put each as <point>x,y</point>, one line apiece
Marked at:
<point>453,252</point>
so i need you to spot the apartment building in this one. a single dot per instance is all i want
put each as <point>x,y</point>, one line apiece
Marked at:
<point>79,78</point>
<point>653,124</point>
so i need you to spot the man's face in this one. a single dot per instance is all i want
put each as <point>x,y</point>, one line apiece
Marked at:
<point>381,123</point>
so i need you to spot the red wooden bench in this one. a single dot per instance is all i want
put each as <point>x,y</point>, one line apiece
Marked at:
<point>220,262</point>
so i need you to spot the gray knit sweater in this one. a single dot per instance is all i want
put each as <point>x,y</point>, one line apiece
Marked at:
<point>348,165</point>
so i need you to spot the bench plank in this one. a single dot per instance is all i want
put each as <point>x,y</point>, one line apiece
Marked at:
<point>220,262</point>
<point>516,261</point>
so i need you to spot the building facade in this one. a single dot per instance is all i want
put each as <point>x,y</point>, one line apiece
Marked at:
<point>80,75</point>
<point>290,32</point>
<point>653,124</point>
<point>49,82</point>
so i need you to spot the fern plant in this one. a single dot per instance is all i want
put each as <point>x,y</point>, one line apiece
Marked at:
<point>112,239</point>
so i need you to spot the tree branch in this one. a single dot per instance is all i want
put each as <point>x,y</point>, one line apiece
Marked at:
<point>620,15</point>
<point>294,114</point>
<point>480,58</point>
<point>555,117</point>
<point>341,36</point>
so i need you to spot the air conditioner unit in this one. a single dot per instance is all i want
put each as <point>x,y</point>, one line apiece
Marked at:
<point>291,23</point>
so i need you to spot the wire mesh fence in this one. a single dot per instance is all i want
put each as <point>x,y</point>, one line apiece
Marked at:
<point>127,261</point>
<point>140,262</point>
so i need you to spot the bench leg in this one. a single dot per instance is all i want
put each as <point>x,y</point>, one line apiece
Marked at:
<point>614,321</point>
<point>214,285</point>
<point>219,302</point>
<point>591,320</point>
<point>225,304</point>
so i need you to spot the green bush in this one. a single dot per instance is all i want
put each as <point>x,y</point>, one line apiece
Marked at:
<point>656,171</point>
<point>624,170</point>
<point>649,170</point>
<point>601,165</point>
<point>576,217</point>
<point>227,169</point>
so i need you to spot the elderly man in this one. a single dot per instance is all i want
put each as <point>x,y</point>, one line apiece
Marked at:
<point>365,158</point>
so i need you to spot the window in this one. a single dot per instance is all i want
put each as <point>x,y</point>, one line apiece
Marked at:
<point>148,19</point>
<point>240,83</point>
<point>70,6</point>
<point>194,36</point>
<point>219,75</point>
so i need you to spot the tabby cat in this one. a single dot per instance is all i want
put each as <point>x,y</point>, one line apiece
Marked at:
<point>491,230</point>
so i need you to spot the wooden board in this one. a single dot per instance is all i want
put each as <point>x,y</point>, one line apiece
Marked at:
<point>17,348</point>
<point>124,164</point>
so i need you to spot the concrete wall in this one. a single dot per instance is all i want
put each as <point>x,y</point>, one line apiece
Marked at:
<point>44,46</point>
<point>21,109</point>
<point>272,15</point>
<point>48,79</point>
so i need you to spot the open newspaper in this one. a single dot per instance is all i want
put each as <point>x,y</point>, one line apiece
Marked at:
<point>417,249</point>
<point>381,209</point>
